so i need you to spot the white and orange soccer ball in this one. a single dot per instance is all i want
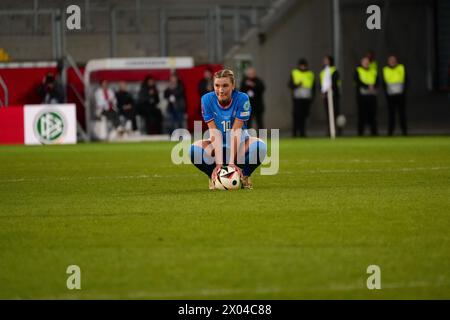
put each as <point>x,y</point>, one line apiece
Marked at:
<point>228,178</point>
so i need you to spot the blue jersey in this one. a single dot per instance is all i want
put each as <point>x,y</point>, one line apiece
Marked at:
<point>223,117</point>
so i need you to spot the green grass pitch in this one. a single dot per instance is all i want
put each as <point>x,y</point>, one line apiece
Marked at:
<point>140,227</point>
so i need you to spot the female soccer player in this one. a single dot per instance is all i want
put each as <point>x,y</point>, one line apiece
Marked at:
<point>226,112</point>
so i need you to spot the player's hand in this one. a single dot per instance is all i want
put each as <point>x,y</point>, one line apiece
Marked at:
<point>237,169</point>
<point>215,172</point>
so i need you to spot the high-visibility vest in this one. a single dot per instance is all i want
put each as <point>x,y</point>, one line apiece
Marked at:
<point>373,65</point>
<point>322,75</point>
<point>306,79</point>
<point>368,77</point>
<point>394,79</point>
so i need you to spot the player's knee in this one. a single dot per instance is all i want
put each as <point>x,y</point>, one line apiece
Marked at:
<point>198,143</point>
<point>258,150</point>
<point>262,150</point>
<point>195,153</point>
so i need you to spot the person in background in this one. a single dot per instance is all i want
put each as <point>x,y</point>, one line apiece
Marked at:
<point>125,105</point>
<point>205,85</point>
<point>50,91</point>
<point>149,82</point>
<point>254,87</point>
<point>148,106</point>
<point>176,102</point>
<point>373,64</point>
<point>328,61</point>
<point>302,85</point>
<point>106,105</point>
<point>394,85</point>
<point>366,80</point>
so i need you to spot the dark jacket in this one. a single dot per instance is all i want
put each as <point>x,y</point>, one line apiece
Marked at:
<point>179,104</point>
<point>148,99</point>
<point>255,90</point>
<point>124,98</point>
<point>51,95</point>
<point>203,86</point>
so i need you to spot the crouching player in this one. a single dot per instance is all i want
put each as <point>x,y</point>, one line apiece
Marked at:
<point>226,112</point>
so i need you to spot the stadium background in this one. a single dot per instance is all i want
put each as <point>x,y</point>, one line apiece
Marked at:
<point>272,35</point>
<point>141,227</point>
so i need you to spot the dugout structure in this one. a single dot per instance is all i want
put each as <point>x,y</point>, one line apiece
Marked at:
<point>131,70</point>
<point>134,71</point>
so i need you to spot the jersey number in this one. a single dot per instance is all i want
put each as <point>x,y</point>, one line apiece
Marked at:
<point>226,125</point>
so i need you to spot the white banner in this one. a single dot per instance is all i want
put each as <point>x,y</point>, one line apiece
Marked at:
<point>151,63</point>
<point>50,124</point>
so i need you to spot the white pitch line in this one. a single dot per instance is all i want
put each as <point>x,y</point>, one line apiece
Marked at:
<point>144,176</point>
<point>208,293</point>
<point>303,161</point>
<point>334,287</point>
<point>406,169</point>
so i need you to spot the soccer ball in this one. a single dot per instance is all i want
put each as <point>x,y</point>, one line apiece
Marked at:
<point>228,178</point>
<point>341,121</point>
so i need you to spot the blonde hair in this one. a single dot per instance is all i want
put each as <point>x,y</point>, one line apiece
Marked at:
<point>225,73</point>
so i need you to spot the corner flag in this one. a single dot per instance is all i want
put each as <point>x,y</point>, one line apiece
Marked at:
<point>327,88</point>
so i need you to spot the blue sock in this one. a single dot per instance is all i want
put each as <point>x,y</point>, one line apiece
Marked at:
<point>254,156</point>
<point>198,157</point>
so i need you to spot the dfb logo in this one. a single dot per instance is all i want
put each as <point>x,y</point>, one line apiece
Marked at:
<point>374,20</point>
<point>73,21</point>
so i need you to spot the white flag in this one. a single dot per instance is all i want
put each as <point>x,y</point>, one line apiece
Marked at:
<point>326,83</point>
